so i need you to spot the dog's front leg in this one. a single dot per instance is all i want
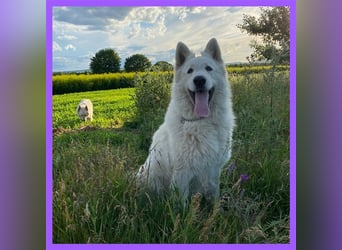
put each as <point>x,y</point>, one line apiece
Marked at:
<point>180,182</point>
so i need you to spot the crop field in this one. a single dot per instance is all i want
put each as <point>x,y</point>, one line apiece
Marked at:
<point>69,83</point>
<point>94,195</point>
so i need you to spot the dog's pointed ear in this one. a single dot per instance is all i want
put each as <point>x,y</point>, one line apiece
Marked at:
<point>182,52</point>
<point>212,49</point>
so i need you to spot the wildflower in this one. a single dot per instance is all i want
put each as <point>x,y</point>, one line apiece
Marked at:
<point>244,178</point>
<point>230,169</point>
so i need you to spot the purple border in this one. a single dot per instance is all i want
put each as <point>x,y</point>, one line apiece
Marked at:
<point>51,3</point>
<point>49,182</point>
<point>171,3</point>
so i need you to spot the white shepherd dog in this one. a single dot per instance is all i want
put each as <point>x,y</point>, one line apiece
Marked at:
<point>193,144</point>
<point>85,110</point>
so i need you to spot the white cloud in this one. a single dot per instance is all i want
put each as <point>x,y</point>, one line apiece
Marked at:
<point>56,47</point>
<point>135,29</point>
<point>66,37</point>
<point>70,47</point>
<point>146,14</point>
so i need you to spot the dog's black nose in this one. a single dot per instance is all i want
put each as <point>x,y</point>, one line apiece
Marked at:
<point>199,82</point>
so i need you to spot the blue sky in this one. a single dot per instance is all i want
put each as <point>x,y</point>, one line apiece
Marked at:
<point>79,32</point>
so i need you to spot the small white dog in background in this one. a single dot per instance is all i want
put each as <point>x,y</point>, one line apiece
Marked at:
<point>193,144</point>
<point>85,110</point>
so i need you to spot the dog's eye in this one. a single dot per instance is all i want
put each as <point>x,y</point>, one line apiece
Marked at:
<point>190,71</point>
<point>208,68</point>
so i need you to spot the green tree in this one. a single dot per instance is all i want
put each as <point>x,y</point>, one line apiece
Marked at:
<point>137,63</point>
<point>273,27</point>
<point>105,61</point>
<point>162,66</point>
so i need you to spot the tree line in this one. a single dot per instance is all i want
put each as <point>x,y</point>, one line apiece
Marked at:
<point>109,61</point>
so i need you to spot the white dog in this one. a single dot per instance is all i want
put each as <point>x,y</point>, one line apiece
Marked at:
<point>85,110</point>
<point>190,148</point>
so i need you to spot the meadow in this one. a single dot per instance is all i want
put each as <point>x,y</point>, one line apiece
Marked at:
<point>94,163</point>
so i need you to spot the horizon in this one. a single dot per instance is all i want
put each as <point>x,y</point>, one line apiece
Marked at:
<point>123,70</point>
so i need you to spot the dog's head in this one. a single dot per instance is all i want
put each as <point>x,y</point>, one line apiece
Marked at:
<point>82,111</point>
<point>200,75</point>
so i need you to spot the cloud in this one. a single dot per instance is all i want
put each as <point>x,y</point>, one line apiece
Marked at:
<point>135,29</point>
<point>70,47</point>
<point>96,18</point>
<point>56,47</point>
<point>66,37</point>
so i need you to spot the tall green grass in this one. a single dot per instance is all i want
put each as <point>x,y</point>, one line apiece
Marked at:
<point>94,196</point>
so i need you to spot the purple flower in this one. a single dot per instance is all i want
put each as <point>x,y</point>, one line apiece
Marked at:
<point>230,169</point>
<point>244,178</point>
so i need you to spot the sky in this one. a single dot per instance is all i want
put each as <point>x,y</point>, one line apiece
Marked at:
<point>80,32</point>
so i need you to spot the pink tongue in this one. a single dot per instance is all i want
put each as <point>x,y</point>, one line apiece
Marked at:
<point>201,104</point>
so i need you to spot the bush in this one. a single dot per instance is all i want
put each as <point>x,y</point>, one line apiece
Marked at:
<point>70,83</point>
<point>79,83</point>
<point>152,95</point>
<point>255,69</point>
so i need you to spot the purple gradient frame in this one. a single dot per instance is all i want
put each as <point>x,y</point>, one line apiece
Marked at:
<point>55,3</point>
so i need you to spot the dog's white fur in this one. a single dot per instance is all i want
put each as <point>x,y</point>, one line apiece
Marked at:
<point>85,110</point>
<point>188,151</point>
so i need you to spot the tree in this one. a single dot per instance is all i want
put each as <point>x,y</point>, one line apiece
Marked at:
<point>105,61</point>
<point>137,63</point>
<point>162,66</point>
<point>273,26</point>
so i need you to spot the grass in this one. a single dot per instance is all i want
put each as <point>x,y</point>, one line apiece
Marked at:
<point>94,196</point>
<point>111,108</point>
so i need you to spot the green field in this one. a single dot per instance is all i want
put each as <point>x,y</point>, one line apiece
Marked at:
<point>111,108</point>
<point>94,196</point>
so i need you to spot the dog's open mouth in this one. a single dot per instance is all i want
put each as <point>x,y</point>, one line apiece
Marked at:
<point>201,100</point>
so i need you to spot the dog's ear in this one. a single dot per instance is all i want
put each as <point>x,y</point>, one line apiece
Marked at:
<point>212,49</point>
<point>182,52</point>
<point>78,108</point>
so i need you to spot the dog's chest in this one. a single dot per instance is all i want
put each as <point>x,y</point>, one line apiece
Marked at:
<point>196,143</point>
